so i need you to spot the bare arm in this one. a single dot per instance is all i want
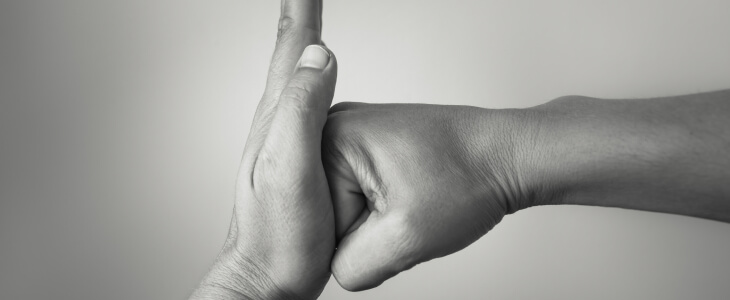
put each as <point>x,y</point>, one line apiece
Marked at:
<point>413,182</point>
<point>667,155</point>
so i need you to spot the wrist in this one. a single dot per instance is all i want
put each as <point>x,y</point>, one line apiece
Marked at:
<point>629,153</point>
<point>500,146</point>
<point>592,151</point>
<point>545,163</point>
<point>235,276</point>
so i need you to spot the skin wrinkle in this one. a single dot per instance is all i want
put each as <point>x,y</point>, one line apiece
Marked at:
<point>515,183</point>
<point>409,253</point>
<point>540,191</point>
<point>287,211</point>
<point>334,160</point>
<point>467,175</point>
<point>294,96</point>
<point>495,167</point>
<point>364,169</point>
<point>253,284</point>
<point>535,191</point>
<point>232,234</point>
<point>375,191</point>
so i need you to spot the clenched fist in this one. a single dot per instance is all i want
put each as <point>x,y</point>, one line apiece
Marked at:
<point>411,183</point>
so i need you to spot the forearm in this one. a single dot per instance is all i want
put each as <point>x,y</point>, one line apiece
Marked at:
<point>666,155</point>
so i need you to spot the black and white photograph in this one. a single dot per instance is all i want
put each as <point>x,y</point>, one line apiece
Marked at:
<point>384,149</point>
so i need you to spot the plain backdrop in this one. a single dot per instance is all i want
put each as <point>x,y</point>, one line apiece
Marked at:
<point>122,124</point>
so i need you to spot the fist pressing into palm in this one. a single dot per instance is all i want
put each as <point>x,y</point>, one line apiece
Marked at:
<point>411,183</point>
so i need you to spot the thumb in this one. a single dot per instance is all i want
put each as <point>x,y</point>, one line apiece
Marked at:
<point>302,108</point>
<point>377,250</point>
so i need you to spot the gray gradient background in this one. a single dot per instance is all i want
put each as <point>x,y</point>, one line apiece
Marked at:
<point>122,124</point>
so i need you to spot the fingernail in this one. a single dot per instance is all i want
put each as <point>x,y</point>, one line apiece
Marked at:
<point>314,56</point>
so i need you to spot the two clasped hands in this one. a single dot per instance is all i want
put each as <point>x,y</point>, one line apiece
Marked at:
<point>366,191</point>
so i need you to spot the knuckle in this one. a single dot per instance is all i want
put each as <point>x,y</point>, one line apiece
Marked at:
<point>289,26</point>
<point>262,173</point>
<point>304,26</point>
<point>296,99</point>
<point>286,23</point>
<point>295,92</point>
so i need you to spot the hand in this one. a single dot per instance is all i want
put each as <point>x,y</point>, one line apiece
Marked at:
<point>282,235</point>
<point>411,183</point>
<point>414,182</point>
